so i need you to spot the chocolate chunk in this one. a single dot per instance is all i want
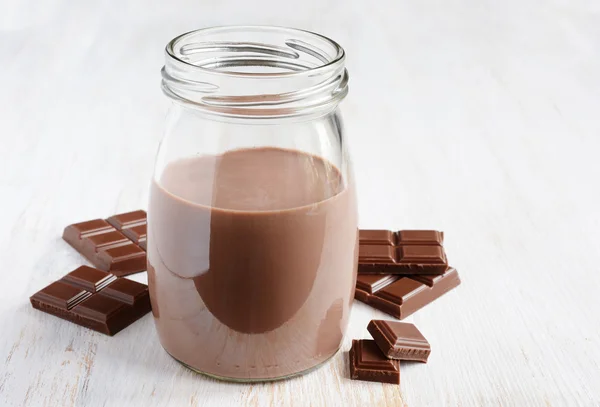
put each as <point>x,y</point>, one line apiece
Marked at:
<point>116,244</point>
<point>367,362</point>
<point>137,234</point>
<point>427,279</point>
<point>373,282</point>
<point>399,340</point>
<point>132,225</point>
<point>404,252</point>
<point>89,279</point>
<point>420,237</point>
<point>94,299</point>
<point>128,220</point>
<point>405,296</point>
<point>374,237</point>
<point>401,291</point>
<point>61,295</point>
<point>361,295</point>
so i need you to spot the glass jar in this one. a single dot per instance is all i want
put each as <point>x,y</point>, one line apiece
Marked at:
<point>252,237</point>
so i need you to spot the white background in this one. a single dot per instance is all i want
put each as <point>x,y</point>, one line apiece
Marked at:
<point>479,118</point>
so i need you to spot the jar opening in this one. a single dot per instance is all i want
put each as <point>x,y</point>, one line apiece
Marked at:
<point>255,71</point>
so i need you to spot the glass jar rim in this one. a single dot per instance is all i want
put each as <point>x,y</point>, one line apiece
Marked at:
<point>255,71</point>
<point>338,58</point>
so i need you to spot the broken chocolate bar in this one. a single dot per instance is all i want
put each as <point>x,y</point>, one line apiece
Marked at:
<point>406,295</point>
<point>399,340</point>
<point>404,252</point>
<point>94,299</point>
<point>367,362</point>
<point>116,244</point>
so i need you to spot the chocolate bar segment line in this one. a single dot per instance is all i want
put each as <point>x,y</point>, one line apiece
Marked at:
<point>126,291</point>
<point>427,279</point>
<point>401,290</point>
<point>367,362</point>
<point>128,220</point>
<point>133,225</point>
<point>136,233</point>
<point>93,227</point>
<point>62,295</point>
<point>113,304</point>
<point>89,279</point>
<point>399,340</point>
<point>372,283</point>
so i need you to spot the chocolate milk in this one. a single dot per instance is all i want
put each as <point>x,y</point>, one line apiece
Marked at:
<point>252,261</point>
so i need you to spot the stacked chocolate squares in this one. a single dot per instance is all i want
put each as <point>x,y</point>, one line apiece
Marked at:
<point>99,298</point>
<point>401,272</point>
<point>378,359</point>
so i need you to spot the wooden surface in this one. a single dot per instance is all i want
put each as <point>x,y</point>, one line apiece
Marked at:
<point>479,118</point>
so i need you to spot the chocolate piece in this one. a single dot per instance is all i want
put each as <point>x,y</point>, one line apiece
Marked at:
<point>427,279</point>
<point>405,296</point>
<point>94,299</point>
<point>399,340</point>
<point>404,252</point>
<point>361,295</point>
<point>371,283</point>
<point>367,362</point>
<point>117,244</point>
<point>137,234</point>
<point>420,237</point>
<point>128,220</point>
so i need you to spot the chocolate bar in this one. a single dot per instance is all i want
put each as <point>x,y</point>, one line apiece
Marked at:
<point>404,252</point>
<point>406,295</point>
<point>367,362</point>
<point>94,299</point>
<point>399,340</point>
<point>116,244</point>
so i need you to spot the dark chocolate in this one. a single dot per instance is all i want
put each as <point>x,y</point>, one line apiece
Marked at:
<point>117,244</point>
<point>404,252</point>
<point>367,362</point>
<point>400,340</point>
<point>94,299</point>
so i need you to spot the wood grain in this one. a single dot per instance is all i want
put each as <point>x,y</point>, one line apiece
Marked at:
<point>477,118</point>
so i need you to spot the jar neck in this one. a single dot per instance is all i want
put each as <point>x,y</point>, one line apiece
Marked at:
<point>255,72</point>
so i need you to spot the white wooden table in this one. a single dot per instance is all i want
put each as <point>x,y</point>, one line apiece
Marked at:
<point>479,118</point>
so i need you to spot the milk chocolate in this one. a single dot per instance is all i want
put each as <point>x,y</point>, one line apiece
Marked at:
<point>361,295</point>
<point>116,244</point>
<point>94,299</point>
<point>132,225</point>
<point>406,295</point>
<point>404,252</point>
<point>367,362</point>
<point>400,340</point>
<point>372,283</point>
